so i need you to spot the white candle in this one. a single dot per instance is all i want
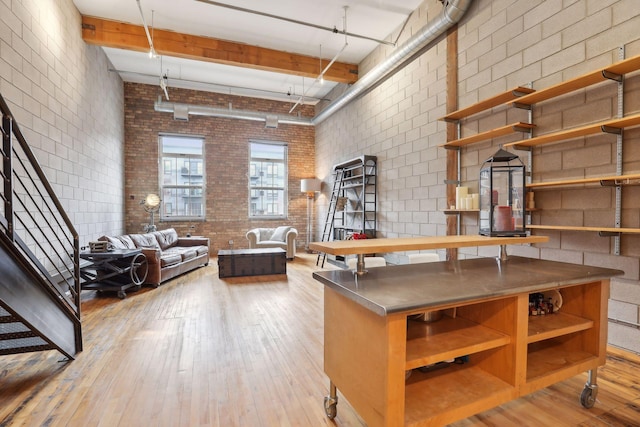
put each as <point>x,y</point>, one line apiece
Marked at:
<point>461,193</point>
<point>475,201</point>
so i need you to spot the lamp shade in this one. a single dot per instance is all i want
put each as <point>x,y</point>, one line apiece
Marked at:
<point>310,185</point>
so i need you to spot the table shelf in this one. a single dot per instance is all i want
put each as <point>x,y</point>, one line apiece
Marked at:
<point>448,338</point>
<point>430,397</point>
<point>555,325</point>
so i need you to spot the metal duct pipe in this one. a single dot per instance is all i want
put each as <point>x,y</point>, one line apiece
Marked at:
<point>203,110</point>
<point>450,15</point>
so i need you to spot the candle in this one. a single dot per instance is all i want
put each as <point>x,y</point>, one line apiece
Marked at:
<point>475,201</point>
<point>461,192</point>
<point>503,220</point>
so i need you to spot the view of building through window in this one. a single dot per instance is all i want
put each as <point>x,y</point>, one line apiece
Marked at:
<point>267,179</point>
<point>182,177</point>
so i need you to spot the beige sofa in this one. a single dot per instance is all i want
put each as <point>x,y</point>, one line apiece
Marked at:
<point>280,237</point>
<point>167,254</point>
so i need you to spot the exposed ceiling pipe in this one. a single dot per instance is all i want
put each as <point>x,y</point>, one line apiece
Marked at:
<point>450,15</point>
<point>452,12</point>
<point>203,110</point>
<point>294,21</point>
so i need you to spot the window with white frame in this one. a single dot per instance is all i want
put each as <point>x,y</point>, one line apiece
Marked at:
<point>182,177</point>
<point>267,179</point>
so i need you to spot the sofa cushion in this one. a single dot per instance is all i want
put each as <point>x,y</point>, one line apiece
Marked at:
<point>166,238</point>
<point>201,250</point>
<point>280,234</point>
<point>119,242</point>
<point>147,240</point>
<point>169,258</point>
<point>184,252</point>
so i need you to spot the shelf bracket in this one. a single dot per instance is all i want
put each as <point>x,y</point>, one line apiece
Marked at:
<point>519,93</point>
<point>610,234</point>
<point>611,129</point>
<point>522,129</point>
<point>612,76</point>
<point>522,106</point>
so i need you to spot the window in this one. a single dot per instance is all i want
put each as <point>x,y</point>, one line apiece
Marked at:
<point>182,177</point>
<point>267,180</point>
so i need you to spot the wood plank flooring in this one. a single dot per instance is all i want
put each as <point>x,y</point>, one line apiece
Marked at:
<point>200,351</point>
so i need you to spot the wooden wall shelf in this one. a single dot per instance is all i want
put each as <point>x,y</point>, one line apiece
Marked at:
<point>494,101</point>
<point>607,73</point>
<point>493,133</point>
<point>611,230</point>
<point>612,180</point>
<point>609,126</point>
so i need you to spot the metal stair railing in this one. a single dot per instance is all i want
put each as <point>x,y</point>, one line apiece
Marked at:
<point>36,230</point>
<point>331,212</point>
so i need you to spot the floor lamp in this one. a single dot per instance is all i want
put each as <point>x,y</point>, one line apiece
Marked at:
<point>309,186</point>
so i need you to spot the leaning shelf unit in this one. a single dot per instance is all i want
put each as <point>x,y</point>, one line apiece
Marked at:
<point>358,187</point>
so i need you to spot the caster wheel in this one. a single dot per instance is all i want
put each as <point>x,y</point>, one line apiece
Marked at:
<point>330,407</point>
<point>588,397</point>
<point>122,295</point>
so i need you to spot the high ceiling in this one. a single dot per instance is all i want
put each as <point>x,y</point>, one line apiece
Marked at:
<point>276,49</point>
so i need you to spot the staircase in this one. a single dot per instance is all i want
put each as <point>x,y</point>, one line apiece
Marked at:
<point>39,255</point>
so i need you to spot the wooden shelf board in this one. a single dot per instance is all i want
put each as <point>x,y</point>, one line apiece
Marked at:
<point>383,245</point>
<point>593,77</point>
<point>578,228</point>
<point>493,133</point>
<point>457,211</point>
<point>555,325</point>
<point>448,338</point>
<point>590,129</point>
<point>548,361</point>
<point>451,393</point>
<point>614,178</point>
<point>494,101</point>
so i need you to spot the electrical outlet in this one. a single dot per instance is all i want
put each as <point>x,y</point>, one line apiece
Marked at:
<point>230,242</point>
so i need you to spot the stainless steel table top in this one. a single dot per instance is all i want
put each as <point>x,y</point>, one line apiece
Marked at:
<point>399,288</point>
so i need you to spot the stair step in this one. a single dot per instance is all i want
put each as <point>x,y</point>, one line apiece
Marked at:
<point>16,350</point>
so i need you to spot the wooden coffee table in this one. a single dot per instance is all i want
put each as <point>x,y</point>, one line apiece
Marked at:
<point>251,262</point>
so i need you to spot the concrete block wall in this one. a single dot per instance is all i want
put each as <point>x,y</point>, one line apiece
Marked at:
<point>226,162</point>
<point>68,106</point>
<point>504,44</point>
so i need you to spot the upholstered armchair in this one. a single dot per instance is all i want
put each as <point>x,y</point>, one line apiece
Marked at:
<point>280,237</point>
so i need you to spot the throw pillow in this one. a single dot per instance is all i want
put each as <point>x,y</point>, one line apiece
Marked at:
<point>280,234</point>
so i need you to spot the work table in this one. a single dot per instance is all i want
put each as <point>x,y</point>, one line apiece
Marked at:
<point>381,358</point>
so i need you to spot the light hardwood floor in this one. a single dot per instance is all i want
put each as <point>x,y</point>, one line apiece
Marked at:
<point>200,351</point>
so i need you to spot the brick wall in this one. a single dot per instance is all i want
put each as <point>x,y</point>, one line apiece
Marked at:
<point>227,157</point>
<point>503,45</point>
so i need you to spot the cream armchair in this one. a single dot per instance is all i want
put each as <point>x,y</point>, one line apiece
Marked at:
<point>280,237</point>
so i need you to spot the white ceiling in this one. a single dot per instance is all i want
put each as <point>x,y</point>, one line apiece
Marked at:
<point>375,19</point>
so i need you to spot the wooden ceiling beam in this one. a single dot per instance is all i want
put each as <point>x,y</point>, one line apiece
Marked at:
<point>121,35</point>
